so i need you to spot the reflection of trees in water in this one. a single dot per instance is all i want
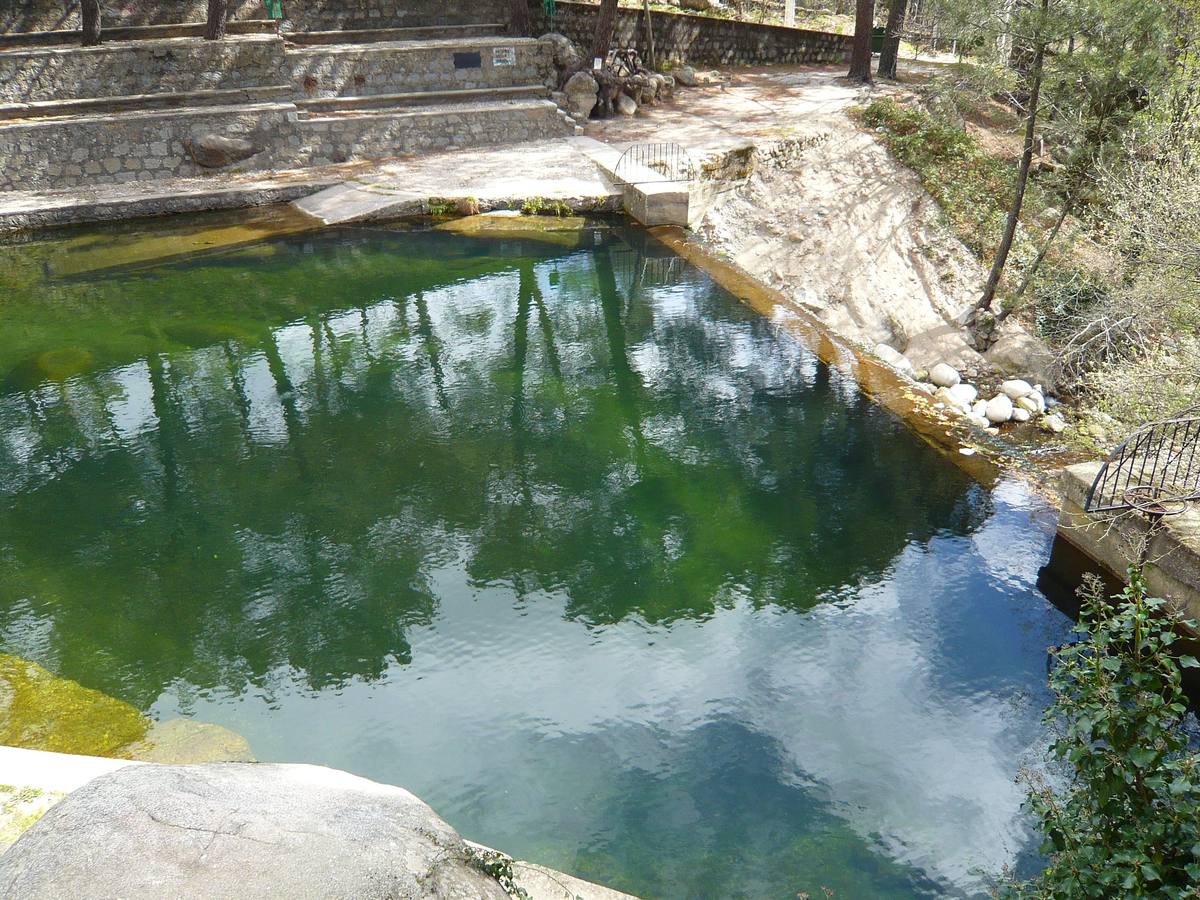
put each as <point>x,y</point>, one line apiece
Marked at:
<point>658,451</point>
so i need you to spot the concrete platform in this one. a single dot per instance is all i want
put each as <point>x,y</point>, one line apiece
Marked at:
<point>1171,549</point>
<point>495,178</point>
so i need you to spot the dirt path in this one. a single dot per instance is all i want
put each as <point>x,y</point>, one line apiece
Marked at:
<point>845,232</point>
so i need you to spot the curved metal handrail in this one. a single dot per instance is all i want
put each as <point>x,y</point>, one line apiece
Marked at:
<point>655,162</point>
<point>1160,460</point>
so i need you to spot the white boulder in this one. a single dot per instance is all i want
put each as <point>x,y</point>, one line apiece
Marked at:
<point>1029,405</point>
<point>944,375</point>
<point>894,358</point>
<point>1054,423</point>
<point>1016,388</point>
<point>1020,415</point>
<point>999,409</point>
<point>977,421</point>
<point>964,393</point>
<point>952,402</point>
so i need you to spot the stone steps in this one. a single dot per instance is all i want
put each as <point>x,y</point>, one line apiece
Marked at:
<point>22,40</point>
<point>336,105</point>
<point>378,35</point>
<point>53,109</point>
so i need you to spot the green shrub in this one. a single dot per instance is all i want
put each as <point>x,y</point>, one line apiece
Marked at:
<point>973,188</point>
<point>1127,821</point>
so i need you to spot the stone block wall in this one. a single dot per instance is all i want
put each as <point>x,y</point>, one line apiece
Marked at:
<point>429,66</point>
<point>300,15</point>
<point>337,139</point>
<point>701,40</point>
<point>61,73</point>
<point>147,146</point>
<point>46,154</point>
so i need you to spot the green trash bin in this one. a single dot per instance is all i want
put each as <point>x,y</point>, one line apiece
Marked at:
<point>274,9</point>
<point>877,36</point>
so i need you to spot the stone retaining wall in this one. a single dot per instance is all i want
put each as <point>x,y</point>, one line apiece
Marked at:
<point>190,64</point>
<point>701,40</point>
<point>42,155</point>
<point>149,146</point>
<point>301,15</point>
<point>337,139</point>
<point>429,66</point>
<point>60,73</point>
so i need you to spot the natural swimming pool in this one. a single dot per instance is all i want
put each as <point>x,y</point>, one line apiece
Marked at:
<point>610,569</point>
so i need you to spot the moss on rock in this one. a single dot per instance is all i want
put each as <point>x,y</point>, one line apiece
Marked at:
<point>40,711</point>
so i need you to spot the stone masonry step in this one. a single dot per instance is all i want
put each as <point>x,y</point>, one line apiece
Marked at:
<point>376,35</point>
<point>26,39</point>
<point>385,134</point>
<point>441,109</point>
<point>334,105</point>
<point>391,67</point>
<point>47,109</point>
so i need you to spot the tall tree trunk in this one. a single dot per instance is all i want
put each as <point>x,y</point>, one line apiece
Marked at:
<point>1068,203</point>
<point>860,57</point>
<point>90,11</point>
<point>1014,211</point>
<point>605,24</point>
<point>650,58</point>
<point>519,23</point>
<point>890,54</point>
<point>218,10</point>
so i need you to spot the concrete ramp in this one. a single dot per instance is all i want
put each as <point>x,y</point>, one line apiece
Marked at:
<point>499,177</point>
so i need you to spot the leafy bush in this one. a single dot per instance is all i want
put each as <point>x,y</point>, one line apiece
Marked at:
<point>1127,822</point>
<point>973,188</point>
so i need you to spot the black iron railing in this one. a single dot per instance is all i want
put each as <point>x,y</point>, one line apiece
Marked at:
<point>1156,470</point>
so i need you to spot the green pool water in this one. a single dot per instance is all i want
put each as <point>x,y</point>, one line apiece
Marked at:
<point>607,567</point>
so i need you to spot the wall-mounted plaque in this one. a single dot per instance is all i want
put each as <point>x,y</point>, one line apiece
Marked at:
<point>504,56</point>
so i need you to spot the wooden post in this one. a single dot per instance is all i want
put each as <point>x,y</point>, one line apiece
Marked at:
<point>649,36</point>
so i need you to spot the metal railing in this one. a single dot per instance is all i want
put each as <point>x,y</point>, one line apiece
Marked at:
<point>650,163</point>
<point>1156,470</point>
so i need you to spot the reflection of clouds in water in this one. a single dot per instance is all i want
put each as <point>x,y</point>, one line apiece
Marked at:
<point>855,695</point>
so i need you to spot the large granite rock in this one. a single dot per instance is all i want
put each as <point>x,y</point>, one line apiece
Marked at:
<point>226,830</point>
<point>1018,353</point>
<point>215,151</point>
<point>566,54</point>
<point>581,90</point>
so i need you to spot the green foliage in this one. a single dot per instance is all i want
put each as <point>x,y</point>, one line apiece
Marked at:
<point>972,187</point>
<point>500,867</point>
<point>539,206</point>
<point>1127,823</point>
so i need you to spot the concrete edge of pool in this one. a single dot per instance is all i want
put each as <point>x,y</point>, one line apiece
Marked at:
<point>36,780</point>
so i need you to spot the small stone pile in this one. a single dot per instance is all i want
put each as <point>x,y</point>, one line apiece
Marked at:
<point>583,92</point>
<point>1017,400</point>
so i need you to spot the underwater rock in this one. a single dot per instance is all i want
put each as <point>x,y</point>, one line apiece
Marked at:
<point>39,711</point>
<point>185,741</point>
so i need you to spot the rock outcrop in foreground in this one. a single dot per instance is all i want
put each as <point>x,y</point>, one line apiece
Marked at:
<point>222,830</point>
